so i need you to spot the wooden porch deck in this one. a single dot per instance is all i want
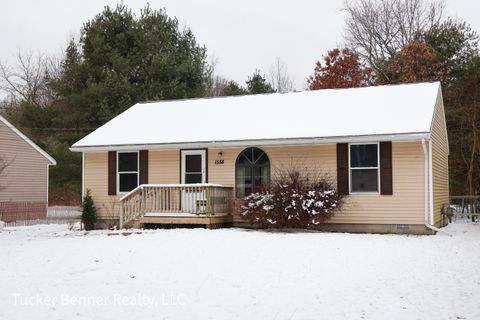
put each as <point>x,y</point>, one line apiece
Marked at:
<point>206,205</point>
<point>207,221</point>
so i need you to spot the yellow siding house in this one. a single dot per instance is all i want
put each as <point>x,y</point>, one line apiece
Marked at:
<point>192,161</point>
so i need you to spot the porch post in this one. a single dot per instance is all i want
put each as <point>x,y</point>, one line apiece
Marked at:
<point>121,215</point>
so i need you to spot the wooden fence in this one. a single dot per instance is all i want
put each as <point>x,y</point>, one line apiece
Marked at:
<point>54,215</point>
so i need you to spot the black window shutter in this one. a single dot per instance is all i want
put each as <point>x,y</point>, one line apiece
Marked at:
<point>112,173</point>
<point>143,166</point>
<point>342,169</point>
<point>386,181</point>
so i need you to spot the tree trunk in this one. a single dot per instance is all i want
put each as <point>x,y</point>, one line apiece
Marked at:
<point>473,152</point>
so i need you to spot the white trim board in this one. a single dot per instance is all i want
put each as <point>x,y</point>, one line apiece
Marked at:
<point>137,172</point>
<point>360,168</point>
<point>203,155</point>
<point>414,136</point>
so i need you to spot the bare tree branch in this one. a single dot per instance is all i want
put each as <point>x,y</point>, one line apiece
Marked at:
<point>378,29</point>
<point>3,166</point>
<point>27,79</point>
<point>279,78</point>
<point>216,83</point>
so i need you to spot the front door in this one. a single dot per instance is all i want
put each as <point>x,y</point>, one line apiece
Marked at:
<point>193,172</point>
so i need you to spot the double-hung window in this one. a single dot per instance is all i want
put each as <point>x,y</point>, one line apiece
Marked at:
<point>127,171</point>
<point>364,168</point>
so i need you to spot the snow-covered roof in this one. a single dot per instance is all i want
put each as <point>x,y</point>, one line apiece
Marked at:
<point>285,118</point>
<point>27,140</point>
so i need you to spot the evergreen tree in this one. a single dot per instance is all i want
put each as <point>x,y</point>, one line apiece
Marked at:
<point>454,42</point>
<point>258,84</point>
<point>89,211</point>
<point>233,89</point>
<point>462,107</point>
<point>123,59</point>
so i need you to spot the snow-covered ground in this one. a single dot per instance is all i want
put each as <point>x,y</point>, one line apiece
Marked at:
<point>51,272</point>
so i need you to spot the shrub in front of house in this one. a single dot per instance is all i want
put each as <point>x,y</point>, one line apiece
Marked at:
<point>89,212</point>
<point>294,199</point>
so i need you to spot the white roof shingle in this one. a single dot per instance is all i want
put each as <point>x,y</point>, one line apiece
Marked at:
<point>382,110</point>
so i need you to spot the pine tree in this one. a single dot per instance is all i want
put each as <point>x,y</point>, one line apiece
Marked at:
<point>89,211</point>
<point>233,89</point>
<point>258,84</point>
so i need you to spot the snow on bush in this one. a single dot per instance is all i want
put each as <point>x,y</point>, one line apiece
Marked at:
<point>293,200</point>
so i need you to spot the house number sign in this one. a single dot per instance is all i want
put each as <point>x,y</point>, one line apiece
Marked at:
<point>220,161</point>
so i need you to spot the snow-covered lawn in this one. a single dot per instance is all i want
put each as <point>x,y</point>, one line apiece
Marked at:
<point>238,274</point>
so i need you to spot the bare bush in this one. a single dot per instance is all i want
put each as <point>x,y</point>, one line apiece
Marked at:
<point>294,199</point>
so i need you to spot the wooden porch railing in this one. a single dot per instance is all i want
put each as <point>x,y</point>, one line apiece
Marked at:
<point>201,199</point>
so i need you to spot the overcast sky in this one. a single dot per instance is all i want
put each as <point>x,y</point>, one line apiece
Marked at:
<point>243,35</point>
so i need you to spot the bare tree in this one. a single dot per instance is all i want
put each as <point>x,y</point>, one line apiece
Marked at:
<point>27,79</point>
<point>279,78</point>
<point>377,29</point>
<point>3,166</point>
<point>215,83</point>
<point>217,87</point>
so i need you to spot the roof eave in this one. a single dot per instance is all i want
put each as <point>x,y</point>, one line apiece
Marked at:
<point>415,136</point>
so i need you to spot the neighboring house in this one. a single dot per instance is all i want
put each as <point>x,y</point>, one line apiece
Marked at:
<point>24,179</point>
<point>192,161</point>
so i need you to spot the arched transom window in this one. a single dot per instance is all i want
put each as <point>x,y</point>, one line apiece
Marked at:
<point>252,171</point>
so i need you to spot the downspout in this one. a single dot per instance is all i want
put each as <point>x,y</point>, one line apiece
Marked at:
<point>428,199</point>
<point>83,175</point>
<point>430,180</point>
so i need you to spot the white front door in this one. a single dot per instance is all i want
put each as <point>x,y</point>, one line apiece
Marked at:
<point>194,169</point>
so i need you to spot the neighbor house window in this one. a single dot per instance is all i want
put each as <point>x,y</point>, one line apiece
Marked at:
<point>364,172</point>
<point>127,171</point>
<point>252,171</point>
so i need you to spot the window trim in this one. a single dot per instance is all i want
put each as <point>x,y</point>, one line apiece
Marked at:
<point>203,153</point>
<point>235,168</point>
<point>118,171</point>
<point>360,168</point>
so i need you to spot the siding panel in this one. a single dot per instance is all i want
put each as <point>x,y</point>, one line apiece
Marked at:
<point>405,206</point>
<point>96,180</point>
<point>26,177</point>
<point>164,166</point>
<point>439,161</point>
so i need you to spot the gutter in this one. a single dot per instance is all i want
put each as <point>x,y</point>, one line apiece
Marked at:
<point>413,136</point>
<point>428,190</point>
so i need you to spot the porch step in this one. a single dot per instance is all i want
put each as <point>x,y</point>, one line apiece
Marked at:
<point>182,214</point>
<point>209,222</point>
